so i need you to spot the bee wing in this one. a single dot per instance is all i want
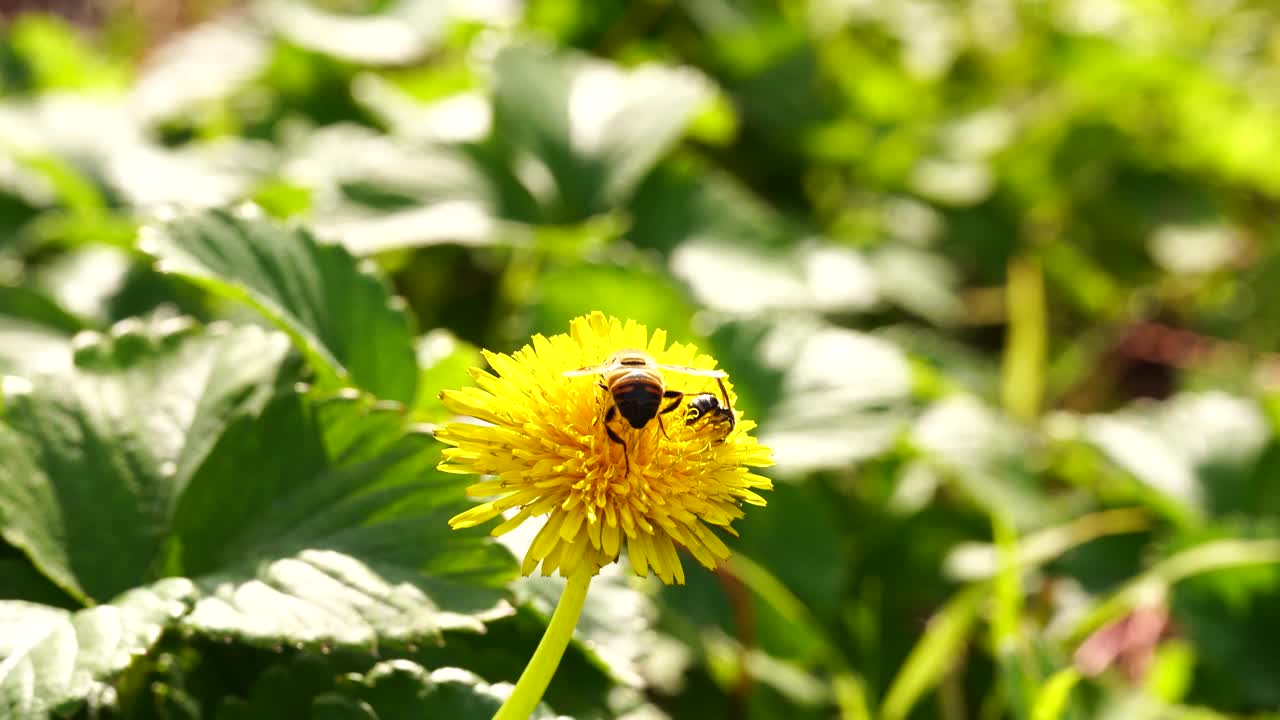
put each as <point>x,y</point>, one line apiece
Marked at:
<point>695,371</point>
<point>589,370</point>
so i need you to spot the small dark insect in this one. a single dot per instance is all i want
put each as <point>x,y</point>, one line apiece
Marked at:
<point>707,406</point>
<point>634,379</point>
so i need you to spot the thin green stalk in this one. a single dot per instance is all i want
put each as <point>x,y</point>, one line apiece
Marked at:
<point>1153,585</point>
<point>848,687</point>
<point>1022,379</point>
<point>542,666</point>
<point>1017,671</point>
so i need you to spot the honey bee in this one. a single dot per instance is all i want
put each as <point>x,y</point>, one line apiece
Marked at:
<point>634,380</point>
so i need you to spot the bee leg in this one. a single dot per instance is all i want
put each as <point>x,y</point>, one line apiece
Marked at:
<point>608,418</point>
<point>728,409</point>
<point>674,403</point>
<point>614,437</point>
<point>670,407</point>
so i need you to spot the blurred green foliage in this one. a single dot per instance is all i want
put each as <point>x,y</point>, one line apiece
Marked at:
<point>991,275</point>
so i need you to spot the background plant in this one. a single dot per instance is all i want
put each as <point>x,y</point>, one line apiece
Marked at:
<point>995,276</point>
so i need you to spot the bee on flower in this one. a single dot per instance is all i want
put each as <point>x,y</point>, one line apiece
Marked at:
<point>583,429</point>
<point>634,379</point>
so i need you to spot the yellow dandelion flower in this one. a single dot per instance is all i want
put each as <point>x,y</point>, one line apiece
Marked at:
<point>544,445</point>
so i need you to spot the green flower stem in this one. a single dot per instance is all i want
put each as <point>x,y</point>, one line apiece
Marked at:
<point>1022,377</point>
<point>537,674</point>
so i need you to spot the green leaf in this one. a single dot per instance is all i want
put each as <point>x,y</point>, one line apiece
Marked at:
<point>1172,671</point>
<point>592,124</point>
<point>83,280</point>
<point>315,521</point>
<point>35,333</point>
<point>323,521</point>
<point>935,653</point>
<point>814,563</point>
<point>789,627</point>
<point>988,458</point>
<point>980,561</point>
<point>635,292</point>
<point>377,193</point>
<point>616,630</point>
<point>339,707</point>
<point>93,459</point>
<point>36,308</point>
<point>432,103</point>
<point>284,689</point>
<point>22,581</point>
<point>684,199</point>
<point>57,57</point>
<point>404,689</point>
<point>1054,698</point>
<point>582,683</point>
<point>827,419</point>
<point>445,361</point>
<point>402,32</point>
<point>1154,584</point>
<point>731,276</point>
<point>920,282</point>
<point>342,316</point>
<point>1196,449</point>
<point>195,71</point>
<point>51,658</point>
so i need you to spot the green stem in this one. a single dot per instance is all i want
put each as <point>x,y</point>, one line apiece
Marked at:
<point>1028,340</point>
<point>537,674</point>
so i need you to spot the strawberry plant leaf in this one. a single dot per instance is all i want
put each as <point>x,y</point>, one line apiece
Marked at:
<point>323,521</point>
<point>35,333</point>
<point>401,688</point>
<point>51,659</point>
<point>341,315</point>
<point>170,452</point>
<point>93,460</point>
<point>590,121</point>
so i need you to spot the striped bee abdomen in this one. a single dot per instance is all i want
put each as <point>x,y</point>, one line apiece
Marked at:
<point>637,400</point>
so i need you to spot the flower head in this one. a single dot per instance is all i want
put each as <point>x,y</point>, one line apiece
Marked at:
<point>548,450</point>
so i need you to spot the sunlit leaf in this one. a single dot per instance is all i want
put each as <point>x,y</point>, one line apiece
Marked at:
<point>986,455</point>
<point>445,361</point>
<point>52,659</point>
<point>565,293</point>
<point>375,193</point>
<point>83,281</point>
<point>1196,449</point>
<point>335,533</point>
<point>739,279</point>
<point>463,116</point>
<point>829,417</point>
<point>920,282</point>
<point>402,689</point>
<point>340,314</point>
<point>35,333</point>
<point>401,33</point>
<point>57,57</point>
<point>96,457</point>
<point>200,67</point>
<point>589,124</point>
